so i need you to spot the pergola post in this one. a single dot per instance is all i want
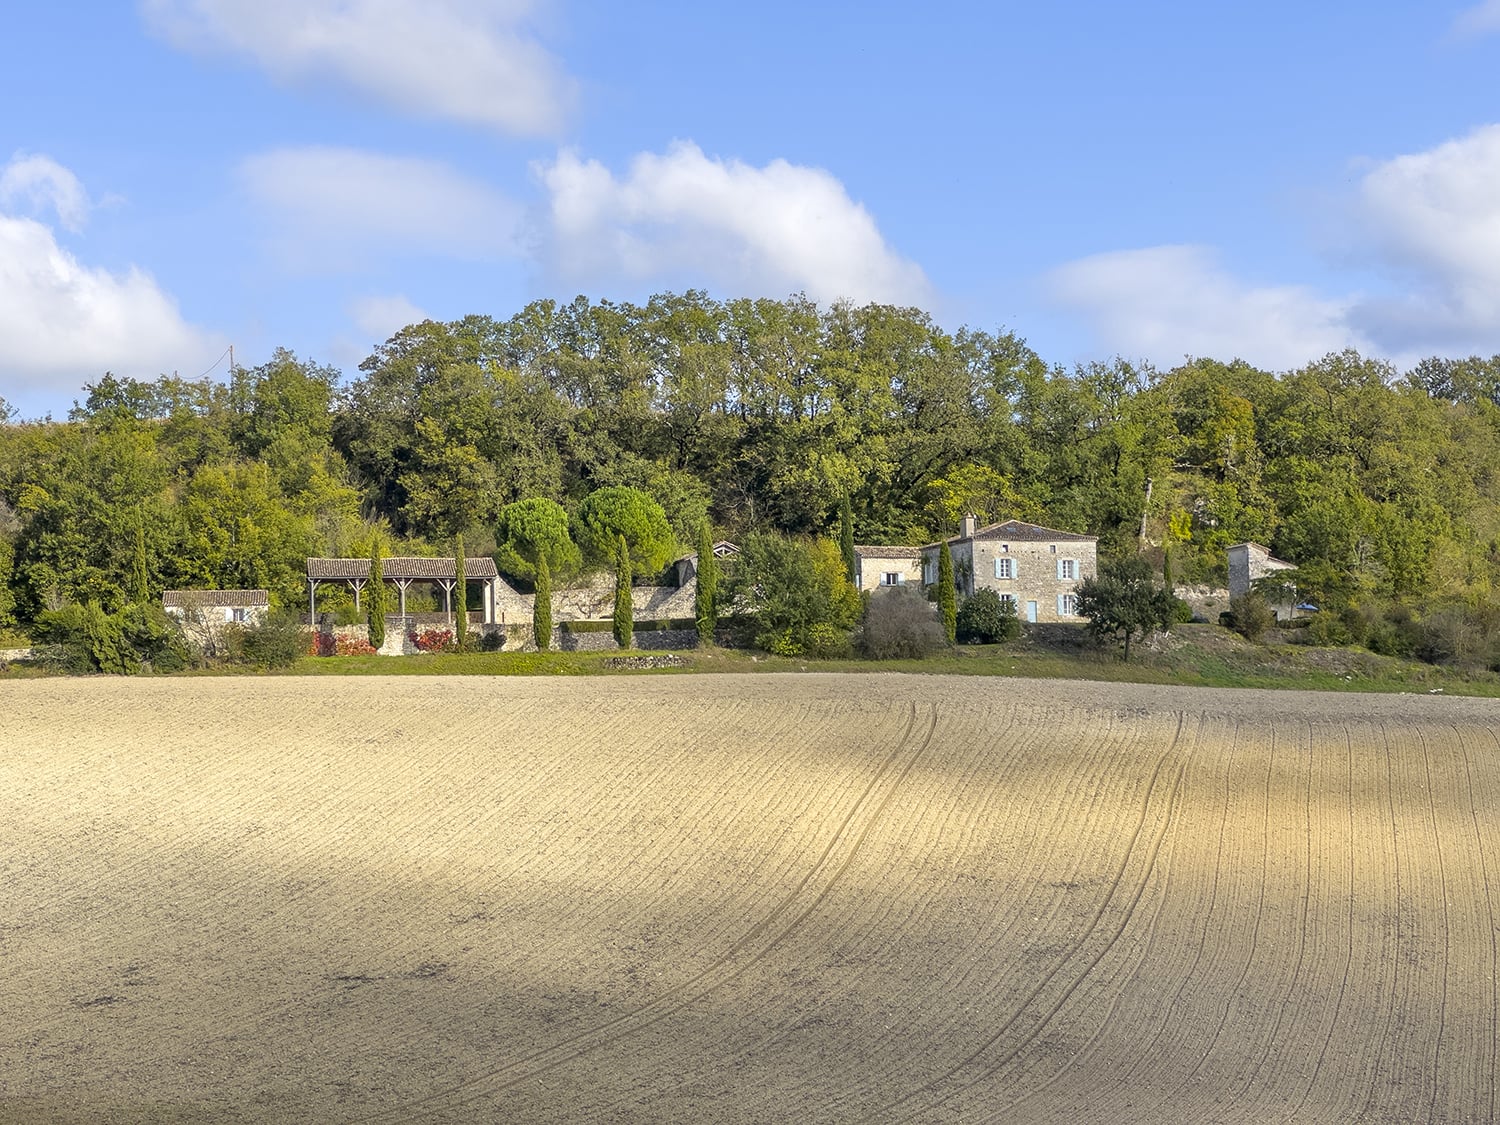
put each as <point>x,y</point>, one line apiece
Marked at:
<point>358,584</point>
<point>312,601</point>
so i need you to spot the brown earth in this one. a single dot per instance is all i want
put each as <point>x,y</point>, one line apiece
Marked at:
<point>724,899</point>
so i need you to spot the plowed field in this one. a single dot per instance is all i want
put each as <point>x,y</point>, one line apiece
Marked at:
<point>725,899</point>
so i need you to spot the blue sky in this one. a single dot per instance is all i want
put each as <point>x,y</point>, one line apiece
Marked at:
<point>1269,181</point>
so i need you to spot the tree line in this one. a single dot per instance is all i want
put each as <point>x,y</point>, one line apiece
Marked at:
<point>756,416</point>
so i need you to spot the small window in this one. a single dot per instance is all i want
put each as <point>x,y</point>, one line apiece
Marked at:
<point>1067,605</point>
<point>891,578</point>
<point>1053,548</point>
<point>1008,599</point>
<point>1067,569</point>
<point>237,615</point>
<point>1005,568</point>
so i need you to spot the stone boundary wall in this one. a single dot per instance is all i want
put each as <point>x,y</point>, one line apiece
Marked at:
<point>596,602</point>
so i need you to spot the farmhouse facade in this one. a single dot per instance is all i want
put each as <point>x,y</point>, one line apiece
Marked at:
<point>887,566</point>
<point>1250,562</point>
<point>1036,569</point>
<point>230,607</point>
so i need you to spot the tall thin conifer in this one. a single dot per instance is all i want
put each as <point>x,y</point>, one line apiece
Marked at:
<point>460,594</point>
<point>624,629</point>
<point>706,597</point>
<point>541,609</point>
<point>375,603</point>
<point>947,599</point>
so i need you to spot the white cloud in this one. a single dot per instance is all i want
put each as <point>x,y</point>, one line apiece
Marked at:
<point>473,61</point>
<point>39,182</point>
<point>1434,218</point>
<point>337,204</point>
<point>1482,19</point>
<point>380,318</point>
<point>1165,302</point>
<point>63,323</point>
<point>686,218</point>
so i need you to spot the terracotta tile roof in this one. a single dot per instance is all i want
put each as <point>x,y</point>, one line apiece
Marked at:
<point>399,566</point>
<point>888,552</point>
<point>203,599</point>
<point>1018,532</point>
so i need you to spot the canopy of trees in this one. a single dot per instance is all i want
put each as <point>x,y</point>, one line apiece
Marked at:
<point>756,416</point>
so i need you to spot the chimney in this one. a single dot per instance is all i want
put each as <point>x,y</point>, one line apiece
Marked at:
<point>968,526</point>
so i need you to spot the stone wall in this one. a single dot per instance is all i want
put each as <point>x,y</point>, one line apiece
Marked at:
<point>595,601</point>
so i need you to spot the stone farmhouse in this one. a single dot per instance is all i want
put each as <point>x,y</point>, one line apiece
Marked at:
<point>1037,569</point>
<point>887,566</point>
<point>1249,562</point>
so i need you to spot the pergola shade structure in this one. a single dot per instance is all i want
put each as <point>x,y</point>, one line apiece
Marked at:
<point>401,572</point>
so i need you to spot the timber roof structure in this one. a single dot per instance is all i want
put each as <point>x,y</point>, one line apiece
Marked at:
<point>400,567</point>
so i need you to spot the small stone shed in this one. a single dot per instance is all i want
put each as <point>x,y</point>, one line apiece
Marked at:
<point>241,607</point>
<point>1250,562</point>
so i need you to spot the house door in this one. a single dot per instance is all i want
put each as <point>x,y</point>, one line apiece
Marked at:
<point>1031,612</point>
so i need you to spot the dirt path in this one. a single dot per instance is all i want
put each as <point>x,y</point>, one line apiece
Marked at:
<point>830,898</point>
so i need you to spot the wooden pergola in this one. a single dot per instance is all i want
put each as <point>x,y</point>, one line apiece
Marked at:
<point>401,572</point>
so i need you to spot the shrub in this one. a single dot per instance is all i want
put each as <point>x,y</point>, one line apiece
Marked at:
<point>276,642</point>
<point>900,625</point>
<point>986,619</point>
<point>432,640</point>
<point>352,646</point>
<point>1329,630</point>
<point>1251,615</point>
<point>827,642</point>
<point>492,641</point>
<point>793,586</point>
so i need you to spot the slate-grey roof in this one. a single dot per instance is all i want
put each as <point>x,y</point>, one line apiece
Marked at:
<point>1017,531</point>
<point>399,566</point>
<point>205,599</point>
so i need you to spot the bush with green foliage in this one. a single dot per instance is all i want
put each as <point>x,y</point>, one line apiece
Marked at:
<point>1251,615</point>
<point>277,642</point>
<point>83,638</point>
<point>986,619</point>
<point>611,513</point>
<point>530,529</point>
<point>792,586</point>
<point>900,624</point>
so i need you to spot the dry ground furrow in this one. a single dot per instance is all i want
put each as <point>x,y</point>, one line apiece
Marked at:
<point>852,827</point>
<point>500,867</point>
<point>1160,969</point>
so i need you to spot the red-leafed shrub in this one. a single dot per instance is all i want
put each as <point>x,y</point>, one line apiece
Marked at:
<point>432,640</point>
<point>321,644</point>
<point>353,646</point>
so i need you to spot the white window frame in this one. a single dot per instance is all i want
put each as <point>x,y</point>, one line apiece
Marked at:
<point>1005,569</point>
<point>1067,605</point>
<point>1067,570</point>
<point>892,578</point>
<point>1011,599</point>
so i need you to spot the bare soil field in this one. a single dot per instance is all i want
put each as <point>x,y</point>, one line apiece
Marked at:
<point>744,898</point>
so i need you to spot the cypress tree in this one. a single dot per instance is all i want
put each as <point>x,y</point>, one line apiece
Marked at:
<point>624,610</point>
<point>461,594</point>
<point>947,600</point>
<point>139,577</point>
<point>706,598</point>
<point>1166,572</point>
<point>376,604</point>
<point>541,609</point>
<point>846,540</point>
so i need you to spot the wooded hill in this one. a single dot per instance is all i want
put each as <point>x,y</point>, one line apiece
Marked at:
<point>757,415</point>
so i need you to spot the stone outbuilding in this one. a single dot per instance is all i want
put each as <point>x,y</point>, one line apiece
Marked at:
<point>404,571</point>
<point>887,566</point>
<point>1250,562</point>
<point>216,607</point>
<point>1037,569</point>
